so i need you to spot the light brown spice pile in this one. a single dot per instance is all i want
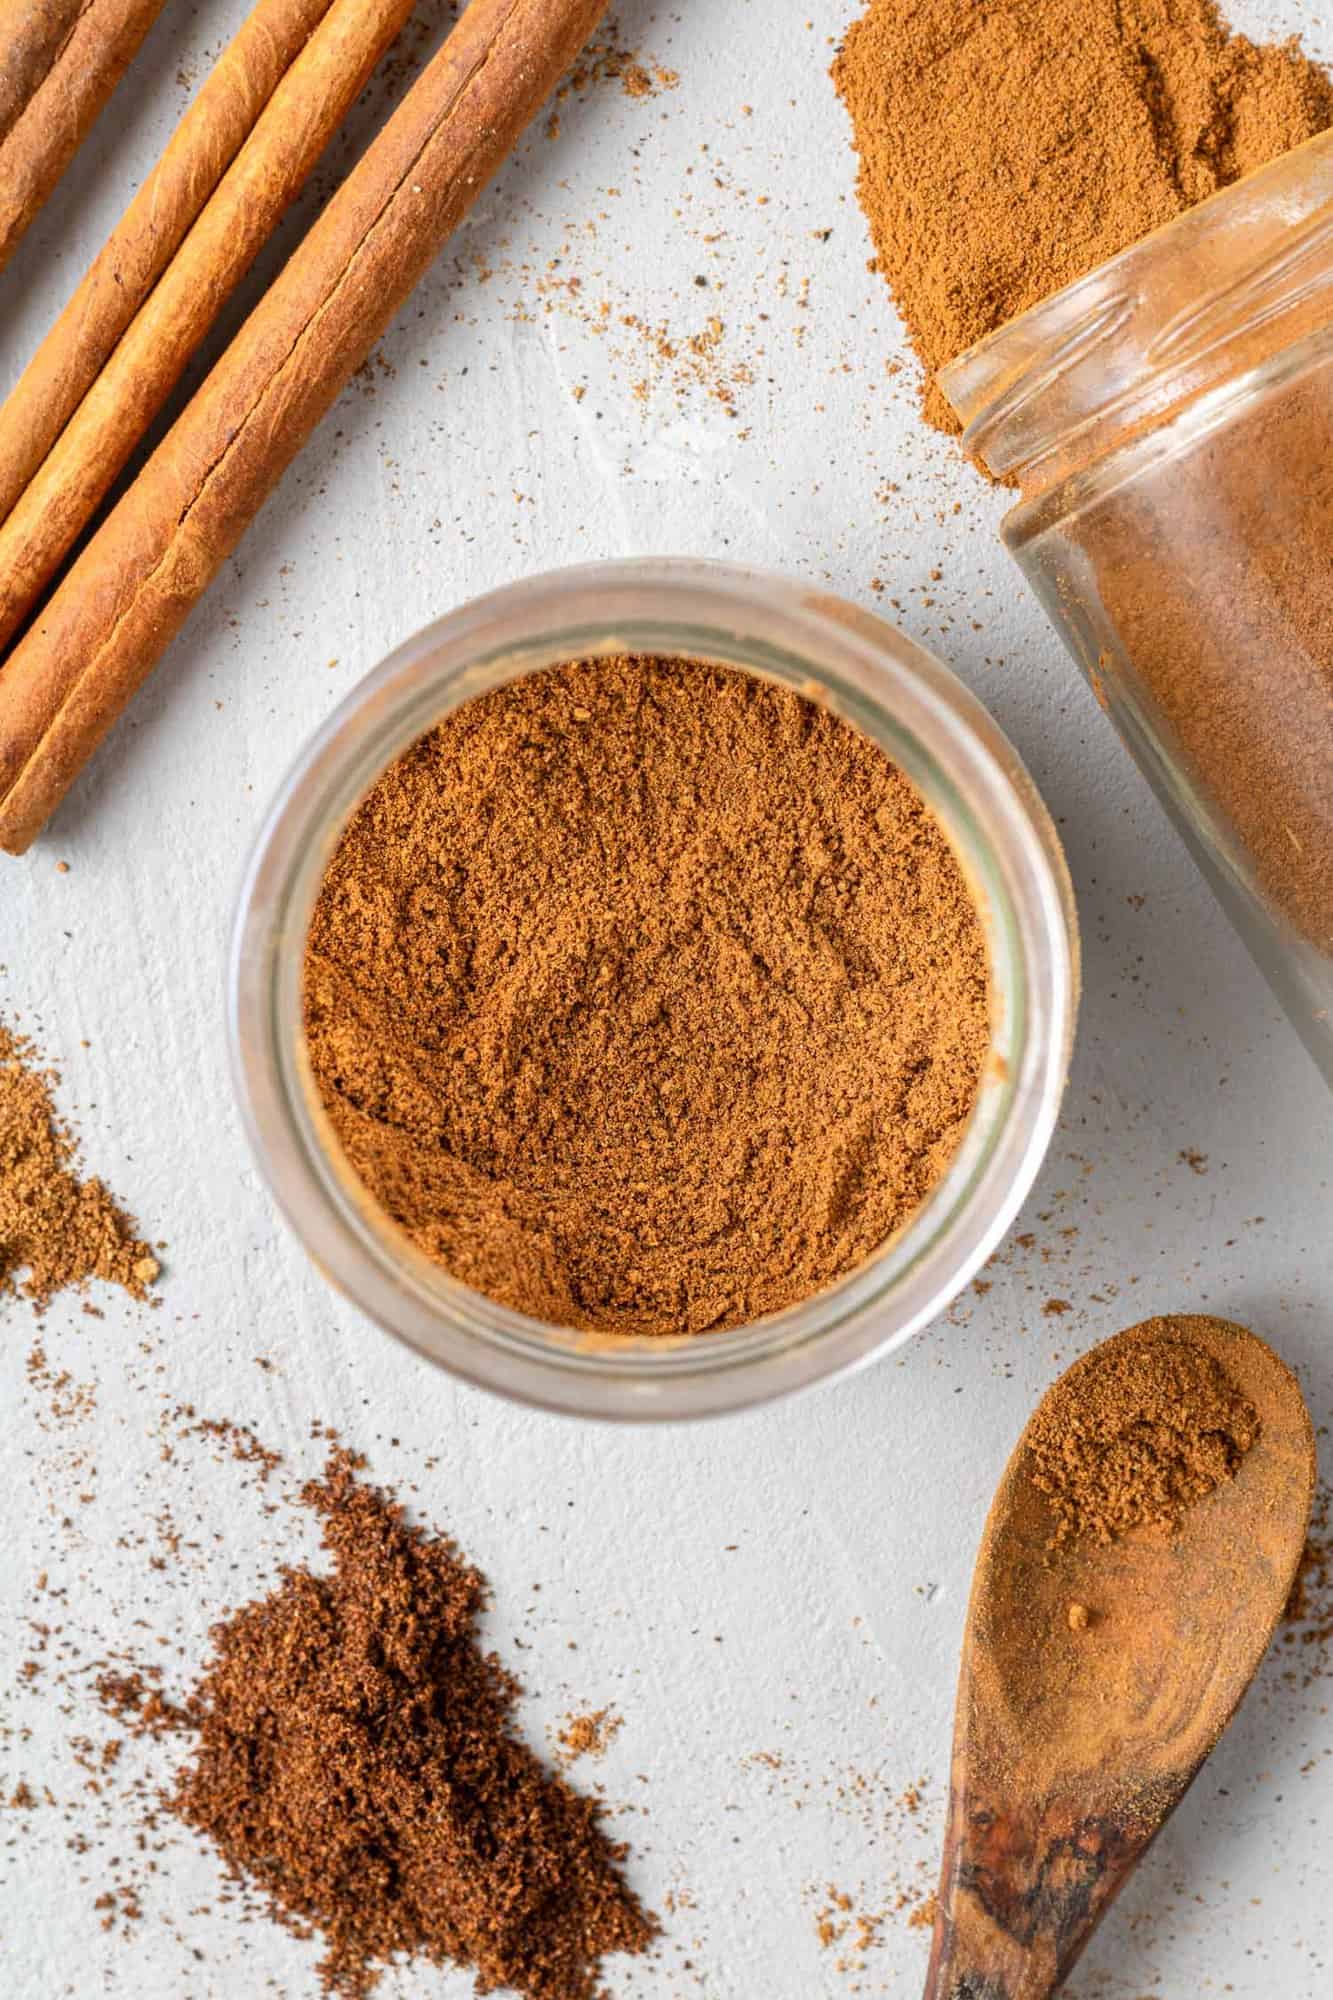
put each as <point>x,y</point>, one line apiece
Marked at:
<point>646,996</point>
<point>56,1230</point>
<point>1137,1434</point>
<point>1009,146</point>
<point>356,1762</point>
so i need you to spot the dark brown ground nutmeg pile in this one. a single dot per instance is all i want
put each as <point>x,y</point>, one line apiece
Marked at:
<point>646,996</point>
<point>357,1763</point>
<point>1136,1433</point>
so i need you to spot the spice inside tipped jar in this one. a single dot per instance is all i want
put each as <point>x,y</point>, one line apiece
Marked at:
<point>646,996</point>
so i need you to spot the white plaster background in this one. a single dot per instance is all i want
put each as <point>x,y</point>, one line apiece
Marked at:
<point>791,1584</point>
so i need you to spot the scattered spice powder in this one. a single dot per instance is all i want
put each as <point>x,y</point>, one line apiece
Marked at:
<point>646,996</point>
<point>859,1932</point>
<point>130,1695</point>
<point>245,1447</point>
<point>605,60</point>
<point>356,1762</point>
<point>589,1735</point>
<point>58,1229</point>
<point>67,1403</point>
<point>1135,1434</point>
<point>1007,149</point>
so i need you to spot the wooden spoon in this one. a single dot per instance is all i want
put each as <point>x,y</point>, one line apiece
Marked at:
<point>1096,1677</point>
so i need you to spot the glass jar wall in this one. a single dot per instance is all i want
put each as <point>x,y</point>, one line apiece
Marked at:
<point>1169,424</point>
<point>930,726</point>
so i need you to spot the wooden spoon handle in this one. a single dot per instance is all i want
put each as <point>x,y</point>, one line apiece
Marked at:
<point>1018,1900</point>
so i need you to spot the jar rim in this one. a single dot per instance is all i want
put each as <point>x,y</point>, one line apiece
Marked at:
<point>945,741</point>
<point>1213,293</point>
<point>1065,501</point>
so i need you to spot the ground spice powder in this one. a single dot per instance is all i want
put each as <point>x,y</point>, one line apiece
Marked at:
<point>1009,146</point>
<point>56,1230</point>
<point>589,1735</point>
<point>1231,644</point>
<point>356,1762</point>
<point>646,996</point>
<point>1138,1434</point>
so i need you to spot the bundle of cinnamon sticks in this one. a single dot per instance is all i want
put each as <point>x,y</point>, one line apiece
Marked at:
<point>240,155</point>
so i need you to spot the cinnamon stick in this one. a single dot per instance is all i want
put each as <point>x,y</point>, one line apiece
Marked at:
<point>52,125</point>
<point>33,33</point>
<point>146,238</point>
<point>293,129</point>
<point>133,586</point>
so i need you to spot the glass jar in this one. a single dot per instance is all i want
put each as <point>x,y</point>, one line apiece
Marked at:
<point>928,724</point>
<point>1168,421</point>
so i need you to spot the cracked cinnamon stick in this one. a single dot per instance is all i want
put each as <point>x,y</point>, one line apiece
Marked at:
<point>33,33</point>
<point>102,42</point>
<point>301,116</point>
<point>207,140</point>
<point>131,589</point>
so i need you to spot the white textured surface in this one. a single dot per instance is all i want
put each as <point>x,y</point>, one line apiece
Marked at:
<point>787,1587</point>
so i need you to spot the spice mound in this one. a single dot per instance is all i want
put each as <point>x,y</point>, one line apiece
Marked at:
<point>1007,150</point>
<point>1137,1433</point>
<point>58,1229</point>
<point>356,1762</point>
<point>646,996</point>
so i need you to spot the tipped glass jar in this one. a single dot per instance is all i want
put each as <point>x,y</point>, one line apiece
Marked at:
<point>1168,421</point>
<point>970,776</point>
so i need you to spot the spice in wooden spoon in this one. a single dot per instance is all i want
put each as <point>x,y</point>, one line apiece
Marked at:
<point>1135,1563</point>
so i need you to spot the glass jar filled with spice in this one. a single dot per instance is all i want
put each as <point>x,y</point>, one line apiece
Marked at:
<point>520,982</point>
<point>1168,421</point>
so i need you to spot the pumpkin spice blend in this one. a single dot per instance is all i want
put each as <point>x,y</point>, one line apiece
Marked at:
<point>1009,146</point>
<point>1005,151</point>
<point>354,1761</point>
<point>57,1230</point>
<point>646,996</point>
<point>1234,647</point>
<point>1137,1435</point>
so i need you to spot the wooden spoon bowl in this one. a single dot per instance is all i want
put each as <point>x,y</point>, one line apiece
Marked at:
<point>1096,1677</point>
